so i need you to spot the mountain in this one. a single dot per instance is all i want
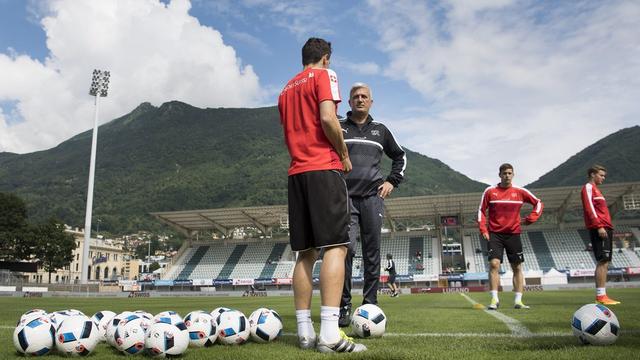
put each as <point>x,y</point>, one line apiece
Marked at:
<point>178,157</point>
<point>618,152</point>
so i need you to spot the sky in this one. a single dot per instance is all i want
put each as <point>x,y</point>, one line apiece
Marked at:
<point>471,83</point>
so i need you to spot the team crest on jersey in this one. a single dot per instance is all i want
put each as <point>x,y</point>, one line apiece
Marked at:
<point>375,132</point>
<point>513,195</point>
<point>310,74</point>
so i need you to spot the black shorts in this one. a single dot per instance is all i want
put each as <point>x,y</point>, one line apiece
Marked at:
<point>391,279</point>
<point>318,210</point>
<point>602,248</point>
<point>509,242</point>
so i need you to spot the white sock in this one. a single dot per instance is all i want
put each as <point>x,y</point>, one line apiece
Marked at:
<point>601,291</point>
<point>305,325</point>
<point>494,294</point>
<point>518,297</point>
<point>329,331</point>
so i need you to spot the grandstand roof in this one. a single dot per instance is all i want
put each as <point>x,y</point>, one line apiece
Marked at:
<point>224,220</point>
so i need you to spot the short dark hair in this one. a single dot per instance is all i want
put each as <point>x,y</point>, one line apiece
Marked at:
<point>595,169</point>
<point>504,167</point>
<point>389,256</point>
<point>314,49</point>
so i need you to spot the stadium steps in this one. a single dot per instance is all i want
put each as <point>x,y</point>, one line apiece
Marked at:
<point>193,262</point>
<point>541,249</point>
<point>415,244</point>
<point>468,251</point>
<point>270,268</point>
<point>231,263</point>
<point>584,234</point>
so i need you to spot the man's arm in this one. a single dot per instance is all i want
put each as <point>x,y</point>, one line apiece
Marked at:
<point>333,132</point>
<point>537,207</point>
<point>398,158</point>
<point>482,219</point>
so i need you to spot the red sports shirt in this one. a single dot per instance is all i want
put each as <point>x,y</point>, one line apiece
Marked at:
<point>504,206</point>
<point>299,106</point>
<point>594,206</point>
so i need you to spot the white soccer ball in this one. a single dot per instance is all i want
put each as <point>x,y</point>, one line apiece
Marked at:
<point>265,325</point>
<point>102,319</point>
<point>57,317</point>
<point>31,314</point>
<point>168,317</point>
<point>34,336</point>
<point>233,327</point>
<point>146,319</point>
<point>130,335</point>
<point>201,327</point>
<point>111,327</point>
<point>595,324</point>
<point>77,336</point>
<point>368,321</point>
<point>217,311</point>
<point>166,339</point>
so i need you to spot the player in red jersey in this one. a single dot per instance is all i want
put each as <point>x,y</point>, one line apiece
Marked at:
<point>598,222</point>
<point>318,200</point>
<point>504,202</point>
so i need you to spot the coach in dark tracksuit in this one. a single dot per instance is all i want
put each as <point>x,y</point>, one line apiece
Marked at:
<point>367,140</point>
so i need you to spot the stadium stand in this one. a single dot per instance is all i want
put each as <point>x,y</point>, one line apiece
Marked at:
<point>273,261</point>
<point>193,262</point>
<point>231,262</point>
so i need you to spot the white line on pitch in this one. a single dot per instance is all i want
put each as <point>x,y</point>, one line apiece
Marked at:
<point>516,327</point>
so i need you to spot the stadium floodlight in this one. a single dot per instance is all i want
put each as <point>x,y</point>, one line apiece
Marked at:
<point>99,88</point>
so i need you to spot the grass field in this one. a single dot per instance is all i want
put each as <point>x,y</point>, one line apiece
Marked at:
<point>433,326</point>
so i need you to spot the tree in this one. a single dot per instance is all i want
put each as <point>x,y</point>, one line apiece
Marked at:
<point>154,266</point>
<point>53,246</point>
<point>13,227</point>
<point>143,249</point>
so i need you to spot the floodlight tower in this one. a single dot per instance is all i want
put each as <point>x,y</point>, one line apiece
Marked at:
<point>99,88</point>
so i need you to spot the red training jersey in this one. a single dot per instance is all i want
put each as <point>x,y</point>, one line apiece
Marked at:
<point>504,206</point>
<point>299,106</point>
<point>594,206</point>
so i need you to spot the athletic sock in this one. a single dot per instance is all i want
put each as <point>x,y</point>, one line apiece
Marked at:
<point>494,294</point>
<point>329,330</point>
<point>518,298</point>
<point>305,325</point>
<point>601,291</point>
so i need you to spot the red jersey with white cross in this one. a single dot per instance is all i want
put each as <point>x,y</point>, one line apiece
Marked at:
<point>504,206</point>
<point>299,106</point>
<point>594,206</point>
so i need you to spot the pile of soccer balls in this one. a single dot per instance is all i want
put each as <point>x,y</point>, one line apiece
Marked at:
<point>134,332</point>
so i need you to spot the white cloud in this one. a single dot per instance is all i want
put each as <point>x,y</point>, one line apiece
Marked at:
<point>155,53</point>
<point>358,68</point>
<point>513,81</point>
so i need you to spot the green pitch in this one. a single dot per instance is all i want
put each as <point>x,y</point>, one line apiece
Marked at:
<point>430,326</point>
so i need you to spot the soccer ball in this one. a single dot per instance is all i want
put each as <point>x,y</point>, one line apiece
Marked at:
<point>102,319</point>
<point>217,311</point>
<point>35,336</point>
<point>130,335</point>
<point>146,319</point>
<point>201,327</point>
<point>232,327</point>
<point>166,339</point>
<point>595,324</point>
<point>111,327</point>
<point>77,336</point>
<point>265,325</point>
<point>31,314</point>
<point>57,317</point>
<point>168,317</point>
<point>368,321</point>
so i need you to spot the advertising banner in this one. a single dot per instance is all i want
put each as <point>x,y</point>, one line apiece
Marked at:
<point>163,282</point>
<point>243,281</point>
<point>285,281</point>
<point>202,282</point>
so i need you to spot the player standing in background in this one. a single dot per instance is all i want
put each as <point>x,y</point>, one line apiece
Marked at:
<point>367,141</point>
<point>391,269</point>
<point>598,222</point>
<point>317,192</point>
<point>504,201</point>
